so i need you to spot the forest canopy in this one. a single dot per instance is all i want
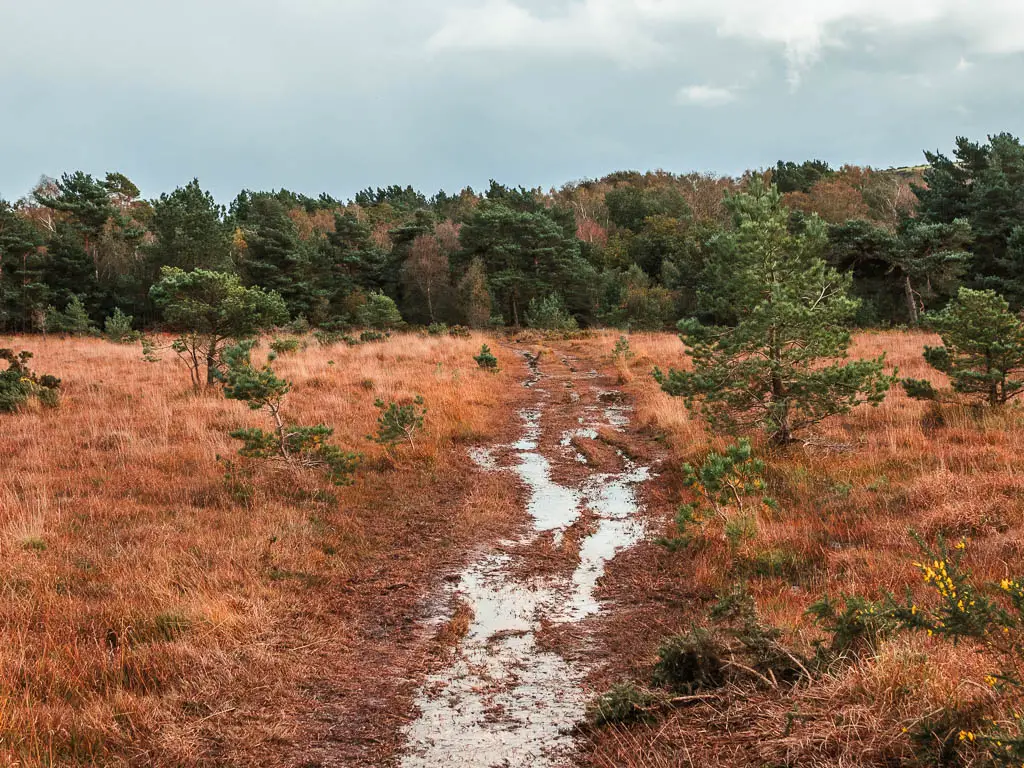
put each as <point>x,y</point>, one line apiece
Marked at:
<point>632,250</point>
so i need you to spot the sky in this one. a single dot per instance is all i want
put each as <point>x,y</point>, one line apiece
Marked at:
<point>338,95</point>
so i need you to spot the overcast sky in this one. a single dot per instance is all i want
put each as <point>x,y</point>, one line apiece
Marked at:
<point>337,95</point>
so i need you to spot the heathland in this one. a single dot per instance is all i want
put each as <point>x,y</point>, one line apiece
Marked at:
<point>734,460</point>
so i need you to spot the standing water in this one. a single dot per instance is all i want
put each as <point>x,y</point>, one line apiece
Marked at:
<point>505,701</point>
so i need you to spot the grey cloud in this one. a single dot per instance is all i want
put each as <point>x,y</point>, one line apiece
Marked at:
<point>335,96</point>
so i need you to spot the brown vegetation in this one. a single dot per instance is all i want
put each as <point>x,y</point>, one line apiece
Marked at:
<point>848,499</point>
<point>161,608</point>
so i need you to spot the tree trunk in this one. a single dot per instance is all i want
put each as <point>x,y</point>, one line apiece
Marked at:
<point>211,364</point>
<point>782,434</point>
<point>908,289</point>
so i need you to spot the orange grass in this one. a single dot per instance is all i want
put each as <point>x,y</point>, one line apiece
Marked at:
<point>849,499</point>
<point>154,613</point>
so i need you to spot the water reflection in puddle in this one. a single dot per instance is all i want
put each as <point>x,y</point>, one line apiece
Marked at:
<point>504,701</point>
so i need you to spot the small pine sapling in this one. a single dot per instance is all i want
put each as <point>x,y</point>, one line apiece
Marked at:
<point>118,328</point>
<point>982,350</point>
<point>622,349</point>
<point>262,390</point>
<point>398,423</point>
<point>486,359</point>
<point>73,321</point>
<point>728,485</point>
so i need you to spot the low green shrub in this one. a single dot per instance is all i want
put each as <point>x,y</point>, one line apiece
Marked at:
<point>486,359</point>
<point>691,662</point>
<point>118,328</point>
<point>622,703</point>
<point>19,384</point>
<point>398,422</point>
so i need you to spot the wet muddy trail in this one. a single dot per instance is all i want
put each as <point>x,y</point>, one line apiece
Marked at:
<point>512,689</point>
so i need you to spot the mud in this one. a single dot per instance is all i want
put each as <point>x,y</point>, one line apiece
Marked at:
<point>504,700</point>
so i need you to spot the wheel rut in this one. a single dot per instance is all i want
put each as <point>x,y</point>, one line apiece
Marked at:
<point>508,696</point>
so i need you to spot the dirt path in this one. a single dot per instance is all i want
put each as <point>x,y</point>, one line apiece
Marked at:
<point>512,689</point>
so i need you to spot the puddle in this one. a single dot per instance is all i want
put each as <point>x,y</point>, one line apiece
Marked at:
<point>503,701</point>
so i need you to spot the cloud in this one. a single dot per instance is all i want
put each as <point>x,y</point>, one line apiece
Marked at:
<point>605,28</point>
<point>706,96</point>
<point>636,30</point>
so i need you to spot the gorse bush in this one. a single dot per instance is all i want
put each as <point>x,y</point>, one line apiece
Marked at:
<point>990,616</point>
<point>398,423</point>
<point>19,384</point>
<point>486,359</point>
<point>261,389</point>
<point>857,626</point>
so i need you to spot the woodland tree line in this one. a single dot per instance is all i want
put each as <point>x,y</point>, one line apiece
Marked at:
<point>635,250</point>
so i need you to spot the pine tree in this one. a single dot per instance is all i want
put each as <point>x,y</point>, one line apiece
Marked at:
<point>210,308</point>
<point>22,290</point>
<point>776,367</point>
<point>190,232</point>
<point>262,390</point>
<point>474,297</point>
<point>983,348</point>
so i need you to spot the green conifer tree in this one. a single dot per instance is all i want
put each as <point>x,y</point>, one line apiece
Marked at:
<point>777,367</point>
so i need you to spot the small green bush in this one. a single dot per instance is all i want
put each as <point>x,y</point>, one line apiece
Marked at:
<point>398,423</point>
<point>379,312</point>
<point>486,359</point>
<point>262,390</point>
<point>73,321</point>
<point>368,337</point>
<point>728,486</point>
<point>622,703</point>
<point>548,313</point>
<point>18,384</point>
<point>919,389</point>
<point>118,328</point>
<point>437,329</point>
<point>856,626</point>
<point>622,349</point>
<point>299,326</point>
<point>690,662</point>
<point>285,346</point>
